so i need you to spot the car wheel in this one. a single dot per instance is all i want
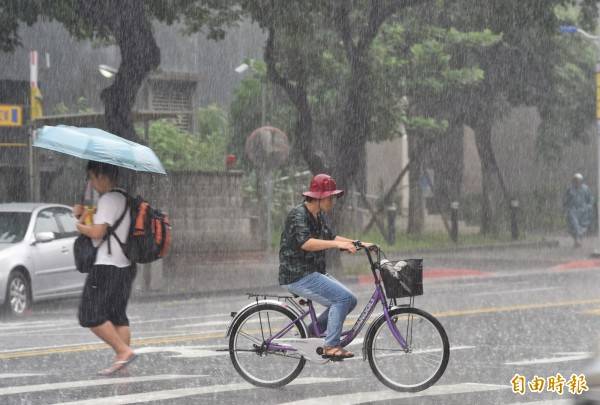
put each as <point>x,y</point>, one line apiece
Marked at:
<point>18,295</point>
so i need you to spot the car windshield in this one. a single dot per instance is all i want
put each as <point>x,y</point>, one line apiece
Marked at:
<point>13,226</point>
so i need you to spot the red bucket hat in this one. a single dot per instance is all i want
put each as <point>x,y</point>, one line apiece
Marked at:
<point>322,186</point>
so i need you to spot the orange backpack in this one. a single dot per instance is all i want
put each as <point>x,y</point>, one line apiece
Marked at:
<point>149,237</point>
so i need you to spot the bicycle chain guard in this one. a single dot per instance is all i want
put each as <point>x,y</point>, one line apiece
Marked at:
<point>306,347</point>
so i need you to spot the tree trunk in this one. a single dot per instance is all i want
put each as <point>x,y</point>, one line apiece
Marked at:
<point>296,91</point>
<point>350,139</point>
<point>448,164</point>
<point>494,193</point>
<point>139,56</point>
<point>416,206</point>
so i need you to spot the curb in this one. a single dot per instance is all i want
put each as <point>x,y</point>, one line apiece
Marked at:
<point>544,243</point>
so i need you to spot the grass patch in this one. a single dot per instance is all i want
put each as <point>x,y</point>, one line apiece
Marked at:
<point>426,241</point>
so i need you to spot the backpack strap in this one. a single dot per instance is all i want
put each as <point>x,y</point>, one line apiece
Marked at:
<point>111,229</point>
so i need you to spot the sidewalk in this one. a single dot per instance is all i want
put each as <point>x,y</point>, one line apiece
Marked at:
<point>259,273</point>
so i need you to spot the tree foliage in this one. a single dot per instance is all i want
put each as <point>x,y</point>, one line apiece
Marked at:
<point>129,25</point>
<point>180,150</point>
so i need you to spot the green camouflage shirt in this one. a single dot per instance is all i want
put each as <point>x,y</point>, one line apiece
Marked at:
<point>300,226</point>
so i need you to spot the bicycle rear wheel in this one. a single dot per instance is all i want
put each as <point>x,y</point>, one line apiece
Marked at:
<point>248,352</point>
<point>421,364</point>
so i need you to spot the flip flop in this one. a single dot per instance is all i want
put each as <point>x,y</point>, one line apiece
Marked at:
<point>336,353</point>
<point>117,366</point>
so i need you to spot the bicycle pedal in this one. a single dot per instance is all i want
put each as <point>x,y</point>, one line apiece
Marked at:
<point>333,358</point>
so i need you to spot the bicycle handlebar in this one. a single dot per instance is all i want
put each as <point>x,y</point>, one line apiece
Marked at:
<point>359,245</point>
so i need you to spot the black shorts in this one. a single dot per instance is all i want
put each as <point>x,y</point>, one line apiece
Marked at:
<point>105,296</point>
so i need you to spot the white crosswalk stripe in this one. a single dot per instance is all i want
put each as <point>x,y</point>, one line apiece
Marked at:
<point>360,397</point>
<point>187,392</point>
<point>18,375</point>
<point>558,358</point>
<point>548,402</point>
<point>22,389</point>
<point>161,390</point>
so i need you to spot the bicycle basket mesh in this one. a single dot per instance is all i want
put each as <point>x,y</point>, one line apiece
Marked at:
<point>402,280</point>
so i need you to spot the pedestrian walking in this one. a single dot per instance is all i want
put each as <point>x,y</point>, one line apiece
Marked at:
<point>304,240</point>
<point>577,204</point>
<point>108,284</point>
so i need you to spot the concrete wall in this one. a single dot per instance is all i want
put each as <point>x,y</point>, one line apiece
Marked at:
<point>385,161</point>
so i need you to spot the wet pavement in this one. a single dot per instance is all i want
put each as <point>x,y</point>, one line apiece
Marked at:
<point>527,313</point>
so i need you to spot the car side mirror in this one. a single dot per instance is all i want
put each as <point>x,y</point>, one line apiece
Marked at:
<point>43,237</point>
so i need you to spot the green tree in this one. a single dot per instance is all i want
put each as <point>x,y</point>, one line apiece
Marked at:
<point>180,150</point>
<point>568,109</point>
<point>320,55</point>
<point>519,70</point>
<point>129,25</point>
<point>419,63</point>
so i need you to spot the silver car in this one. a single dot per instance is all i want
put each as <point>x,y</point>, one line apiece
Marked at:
<point>36,255</point>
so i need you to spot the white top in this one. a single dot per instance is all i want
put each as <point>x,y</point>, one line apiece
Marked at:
<point>110,207</point>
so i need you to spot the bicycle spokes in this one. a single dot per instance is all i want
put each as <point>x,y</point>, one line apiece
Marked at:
<point>260,358</point>
<point>420,363</point>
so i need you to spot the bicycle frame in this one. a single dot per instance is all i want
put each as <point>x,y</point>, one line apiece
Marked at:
<point>349,335</point>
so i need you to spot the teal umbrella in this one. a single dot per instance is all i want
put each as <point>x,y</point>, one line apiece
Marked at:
<point>100,146</point>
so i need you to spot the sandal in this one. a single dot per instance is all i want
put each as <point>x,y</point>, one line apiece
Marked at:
<point>117,366</point>
<point>336,352</point>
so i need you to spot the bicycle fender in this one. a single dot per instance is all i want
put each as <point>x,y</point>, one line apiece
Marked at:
<point>248,307</point>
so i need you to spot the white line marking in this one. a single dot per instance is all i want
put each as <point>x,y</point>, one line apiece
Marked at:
<point>186,351</point>
<point>560,359</point>
<point>550,402</point>
<point>36,325</point>
<point>188,392</point>
<point>96,342</point>
<point>16,375</point>
<point>40,331</point>
<point>360,397</point>
<point>89,383</point>
<point>210,323</point>
<point>47,326</point>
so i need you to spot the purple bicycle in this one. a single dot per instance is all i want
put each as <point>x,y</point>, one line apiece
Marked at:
<point>407,348</point>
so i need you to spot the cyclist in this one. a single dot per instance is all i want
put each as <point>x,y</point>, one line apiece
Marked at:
<point>304,240</point>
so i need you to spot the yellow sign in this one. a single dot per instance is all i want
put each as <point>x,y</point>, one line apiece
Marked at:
<point>11,115</point>
<point>36,103</point>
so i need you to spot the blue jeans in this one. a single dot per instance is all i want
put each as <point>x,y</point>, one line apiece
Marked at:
<point>330,293</point>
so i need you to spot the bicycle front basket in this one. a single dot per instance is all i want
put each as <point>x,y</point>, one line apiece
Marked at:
<point>402,280</point>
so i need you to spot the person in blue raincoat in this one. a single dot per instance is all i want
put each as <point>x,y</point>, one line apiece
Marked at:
<point>577,204</point>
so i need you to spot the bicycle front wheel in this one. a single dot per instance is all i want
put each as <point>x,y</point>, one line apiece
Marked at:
<point>257,364</point>
<point>423,361</point>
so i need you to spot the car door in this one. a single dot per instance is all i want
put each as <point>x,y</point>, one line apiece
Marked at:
<point>51,259</point>
<point>73,279</point>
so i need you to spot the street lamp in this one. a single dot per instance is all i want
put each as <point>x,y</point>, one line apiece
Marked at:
<point>107,71</point>
<point>264,174</point>
<point>242,68</point>
<point>571,29</point>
